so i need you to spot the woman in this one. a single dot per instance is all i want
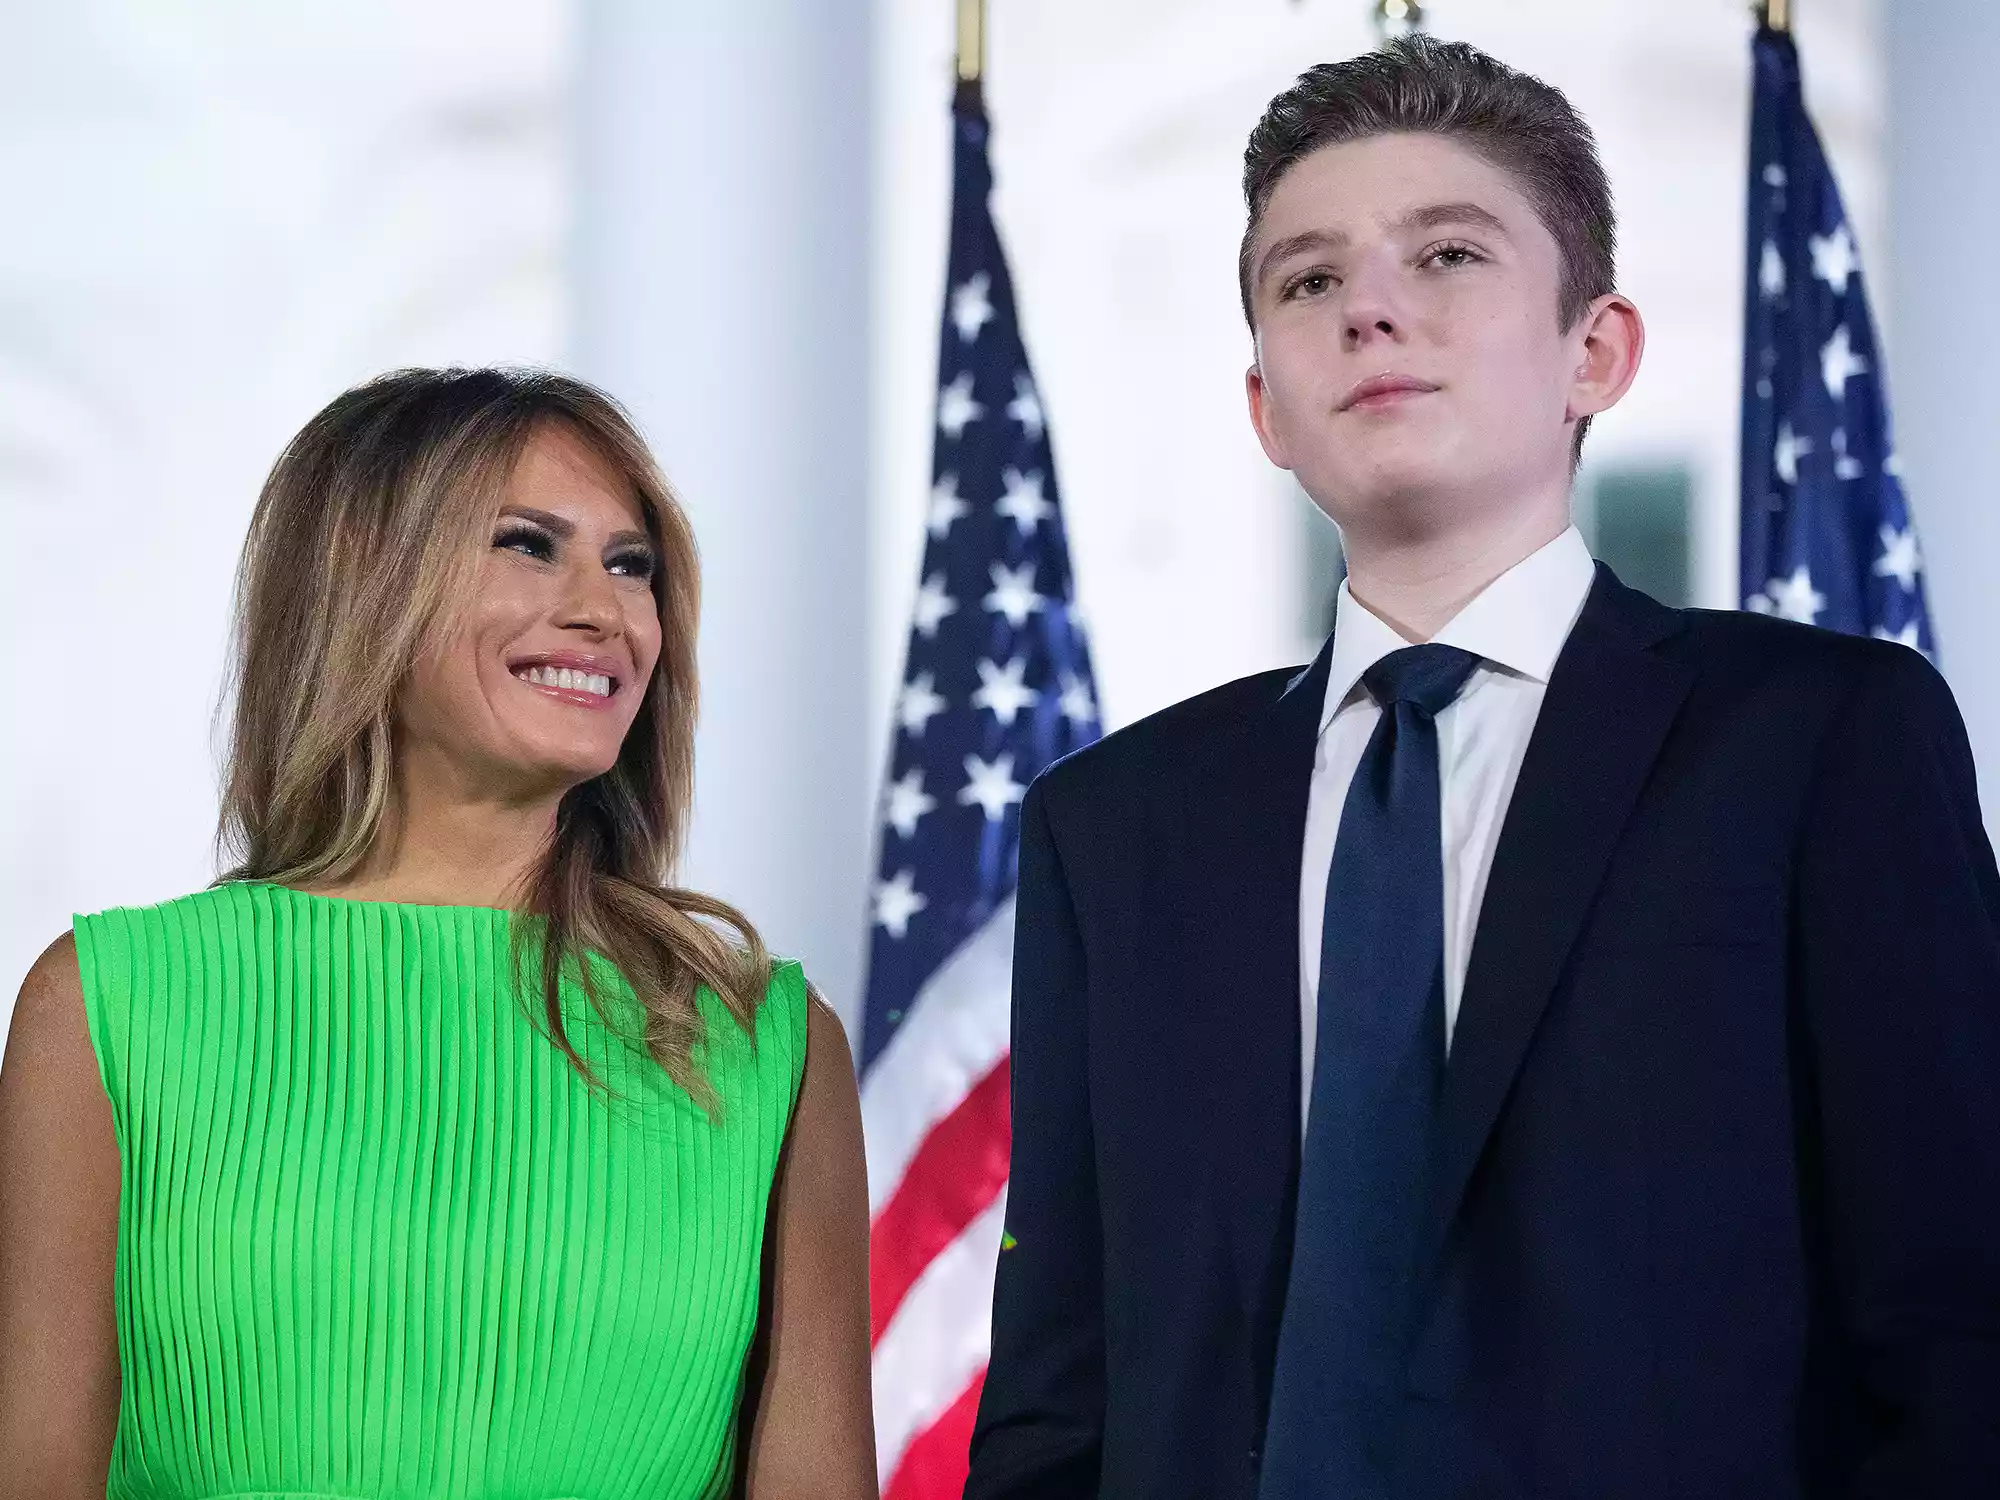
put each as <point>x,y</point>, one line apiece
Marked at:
<point>439,1150</point>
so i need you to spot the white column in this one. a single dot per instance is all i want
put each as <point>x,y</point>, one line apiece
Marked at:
<point>1943,329</point>
<point>721,293</point>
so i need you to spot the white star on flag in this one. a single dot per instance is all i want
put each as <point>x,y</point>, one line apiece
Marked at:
<point>1909,635</point>
<point>896,901</point>
<point>971,307</point>
<point>1771,272</point>
<point>1076,703</point>
<point>1023,503</point>
<point>946,507</point>
<point>991,786</point>
<point>1899,559</point>
<point>1013,593</point>
<point>1003,689</point>
<point>956,407</point>
<point>918,703</point>
<point>907,802</point>
<point>1833,258</point>
<point>1026,407</point>
<point>1845,464</point>
<point>933,604</point>
<point>1791,448</point>
<point>1795,598</point>
<point>1839,363</point>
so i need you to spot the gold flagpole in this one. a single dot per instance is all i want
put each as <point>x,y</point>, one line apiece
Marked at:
<point>1778,14</point>
<point>1398,17</point>
<point>971,48</point>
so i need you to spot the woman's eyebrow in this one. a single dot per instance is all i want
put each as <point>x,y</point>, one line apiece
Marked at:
<point>563,529</point>
<point>555,525</point>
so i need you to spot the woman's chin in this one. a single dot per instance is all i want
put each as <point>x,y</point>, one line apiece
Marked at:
<point>552,771</point>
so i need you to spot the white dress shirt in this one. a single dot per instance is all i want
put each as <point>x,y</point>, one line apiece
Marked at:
<point>1516,626</point>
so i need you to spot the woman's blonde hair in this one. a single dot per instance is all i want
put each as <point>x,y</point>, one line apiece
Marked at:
<point>364,550</point>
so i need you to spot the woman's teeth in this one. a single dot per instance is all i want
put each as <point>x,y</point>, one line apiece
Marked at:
<point>568,679</point>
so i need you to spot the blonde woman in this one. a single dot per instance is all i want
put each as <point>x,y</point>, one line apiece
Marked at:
<point>440,1149</point>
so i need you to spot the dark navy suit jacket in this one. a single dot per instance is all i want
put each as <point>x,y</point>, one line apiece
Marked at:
<point>1715,1204</point>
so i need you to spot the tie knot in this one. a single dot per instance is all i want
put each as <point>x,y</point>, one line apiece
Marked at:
<point>1427,677</point>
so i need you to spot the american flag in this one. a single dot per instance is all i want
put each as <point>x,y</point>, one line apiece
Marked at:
<point>997,685</point>
<point>1827,534</point>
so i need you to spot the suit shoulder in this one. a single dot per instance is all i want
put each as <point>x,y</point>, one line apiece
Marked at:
<point>1166,739</point>
<point>1759,645</point>
<point>1813,676</point>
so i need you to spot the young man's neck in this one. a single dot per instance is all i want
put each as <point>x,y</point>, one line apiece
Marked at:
<point>1417,584</point>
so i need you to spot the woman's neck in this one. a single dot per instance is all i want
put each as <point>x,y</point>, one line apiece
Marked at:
<point>440,846</point>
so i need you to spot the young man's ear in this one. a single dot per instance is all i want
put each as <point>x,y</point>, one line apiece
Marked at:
<point>1612,340</point>
<point>1261,417</point>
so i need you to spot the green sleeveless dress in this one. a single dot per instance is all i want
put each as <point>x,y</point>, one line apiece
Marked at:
<point>378,1238</point>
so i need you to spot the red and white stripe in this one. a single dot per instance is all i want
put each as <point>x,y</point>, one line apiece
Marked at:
<point>934,1108</point>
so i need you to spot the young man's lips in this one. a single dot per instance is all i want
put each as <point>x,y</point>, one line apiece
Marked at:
<point>1384,390</point>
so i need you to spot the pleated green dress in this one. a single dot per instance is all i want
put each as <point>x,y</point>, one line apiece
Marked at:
<point>377,1238</point>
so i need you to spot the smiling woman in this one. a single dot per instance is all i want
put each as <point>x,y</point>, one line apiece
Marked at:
<point>441,1148</point>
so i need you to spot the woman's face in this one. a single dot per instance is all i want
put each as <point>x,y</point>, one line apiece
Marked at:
<point>535,693</point>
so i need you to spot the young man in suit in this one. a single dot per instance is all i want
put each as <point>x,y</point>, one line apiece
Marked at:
<point>1550,1046</point>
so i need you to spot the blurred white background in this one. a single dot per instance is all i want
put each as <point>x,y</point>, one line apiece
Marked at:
<point>217,216</point>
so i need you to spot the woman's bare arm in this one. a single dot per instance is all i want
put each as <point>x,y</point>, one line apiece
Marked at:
<point>811,1430</point>
<point>58,1245</point>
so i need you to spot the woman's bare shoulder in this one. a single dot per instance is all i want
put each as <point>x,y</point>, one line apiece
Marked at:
<point>53,1108</point>
<point>50,1004</point>
<point>59,1189</point>
<point>826,1034</point>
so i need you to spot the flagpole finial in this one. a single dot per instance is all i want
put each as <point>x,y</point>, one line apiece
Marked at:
<point>1396,18</point>
<point>971,42</point>
<point>1778,14</point>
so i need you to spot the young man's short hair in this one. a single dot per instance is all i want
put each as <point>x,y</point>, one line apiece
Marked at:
<point>1418,84</point>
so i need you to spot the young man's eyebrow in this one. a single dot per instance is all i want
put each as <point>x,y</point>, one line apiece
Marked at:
<point>1430,216</point>
<point>1436,214</point>
<point>1293,244</point>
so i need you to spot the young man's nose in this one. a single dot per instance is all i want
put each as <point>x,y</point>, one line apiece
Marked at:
<point>1371,304</point>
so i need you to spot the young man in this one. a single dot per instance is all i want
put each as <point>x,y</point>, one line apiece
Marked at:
<point>1551,1045</point>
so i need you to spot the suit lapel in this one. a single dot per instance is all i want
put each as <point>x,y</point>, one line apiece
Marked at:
<point>1611,700</point>
<point>1246,830</point>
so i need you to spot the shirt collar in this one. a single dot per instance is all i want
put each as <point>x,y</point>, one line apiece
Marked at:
<point>1519,621</point>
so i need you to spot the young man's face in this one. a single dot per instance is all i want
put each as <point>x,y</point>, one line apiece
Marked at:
<point>1410,362</point>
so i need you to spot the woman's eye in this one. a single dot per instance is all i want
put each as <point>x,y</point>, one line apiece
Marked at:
<point>530,541</point>
<point>634,564</point>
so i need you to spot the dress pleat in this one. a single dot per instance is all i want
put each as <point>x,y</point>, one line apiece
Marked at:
<point>378,1238</point>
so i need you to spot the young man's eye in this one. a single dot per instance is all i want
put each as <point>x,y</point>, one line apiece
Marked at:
<point>1451,256</point>
<point>530,541</point>
<point>1309,284</point>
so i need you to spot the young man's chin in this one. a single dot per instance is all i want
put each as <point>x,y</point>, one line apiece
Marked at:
<point>1408,500</point>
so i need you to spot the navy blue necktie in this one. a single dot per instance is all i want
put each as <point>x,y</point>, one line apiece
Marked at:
<point>1377,1065</point>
